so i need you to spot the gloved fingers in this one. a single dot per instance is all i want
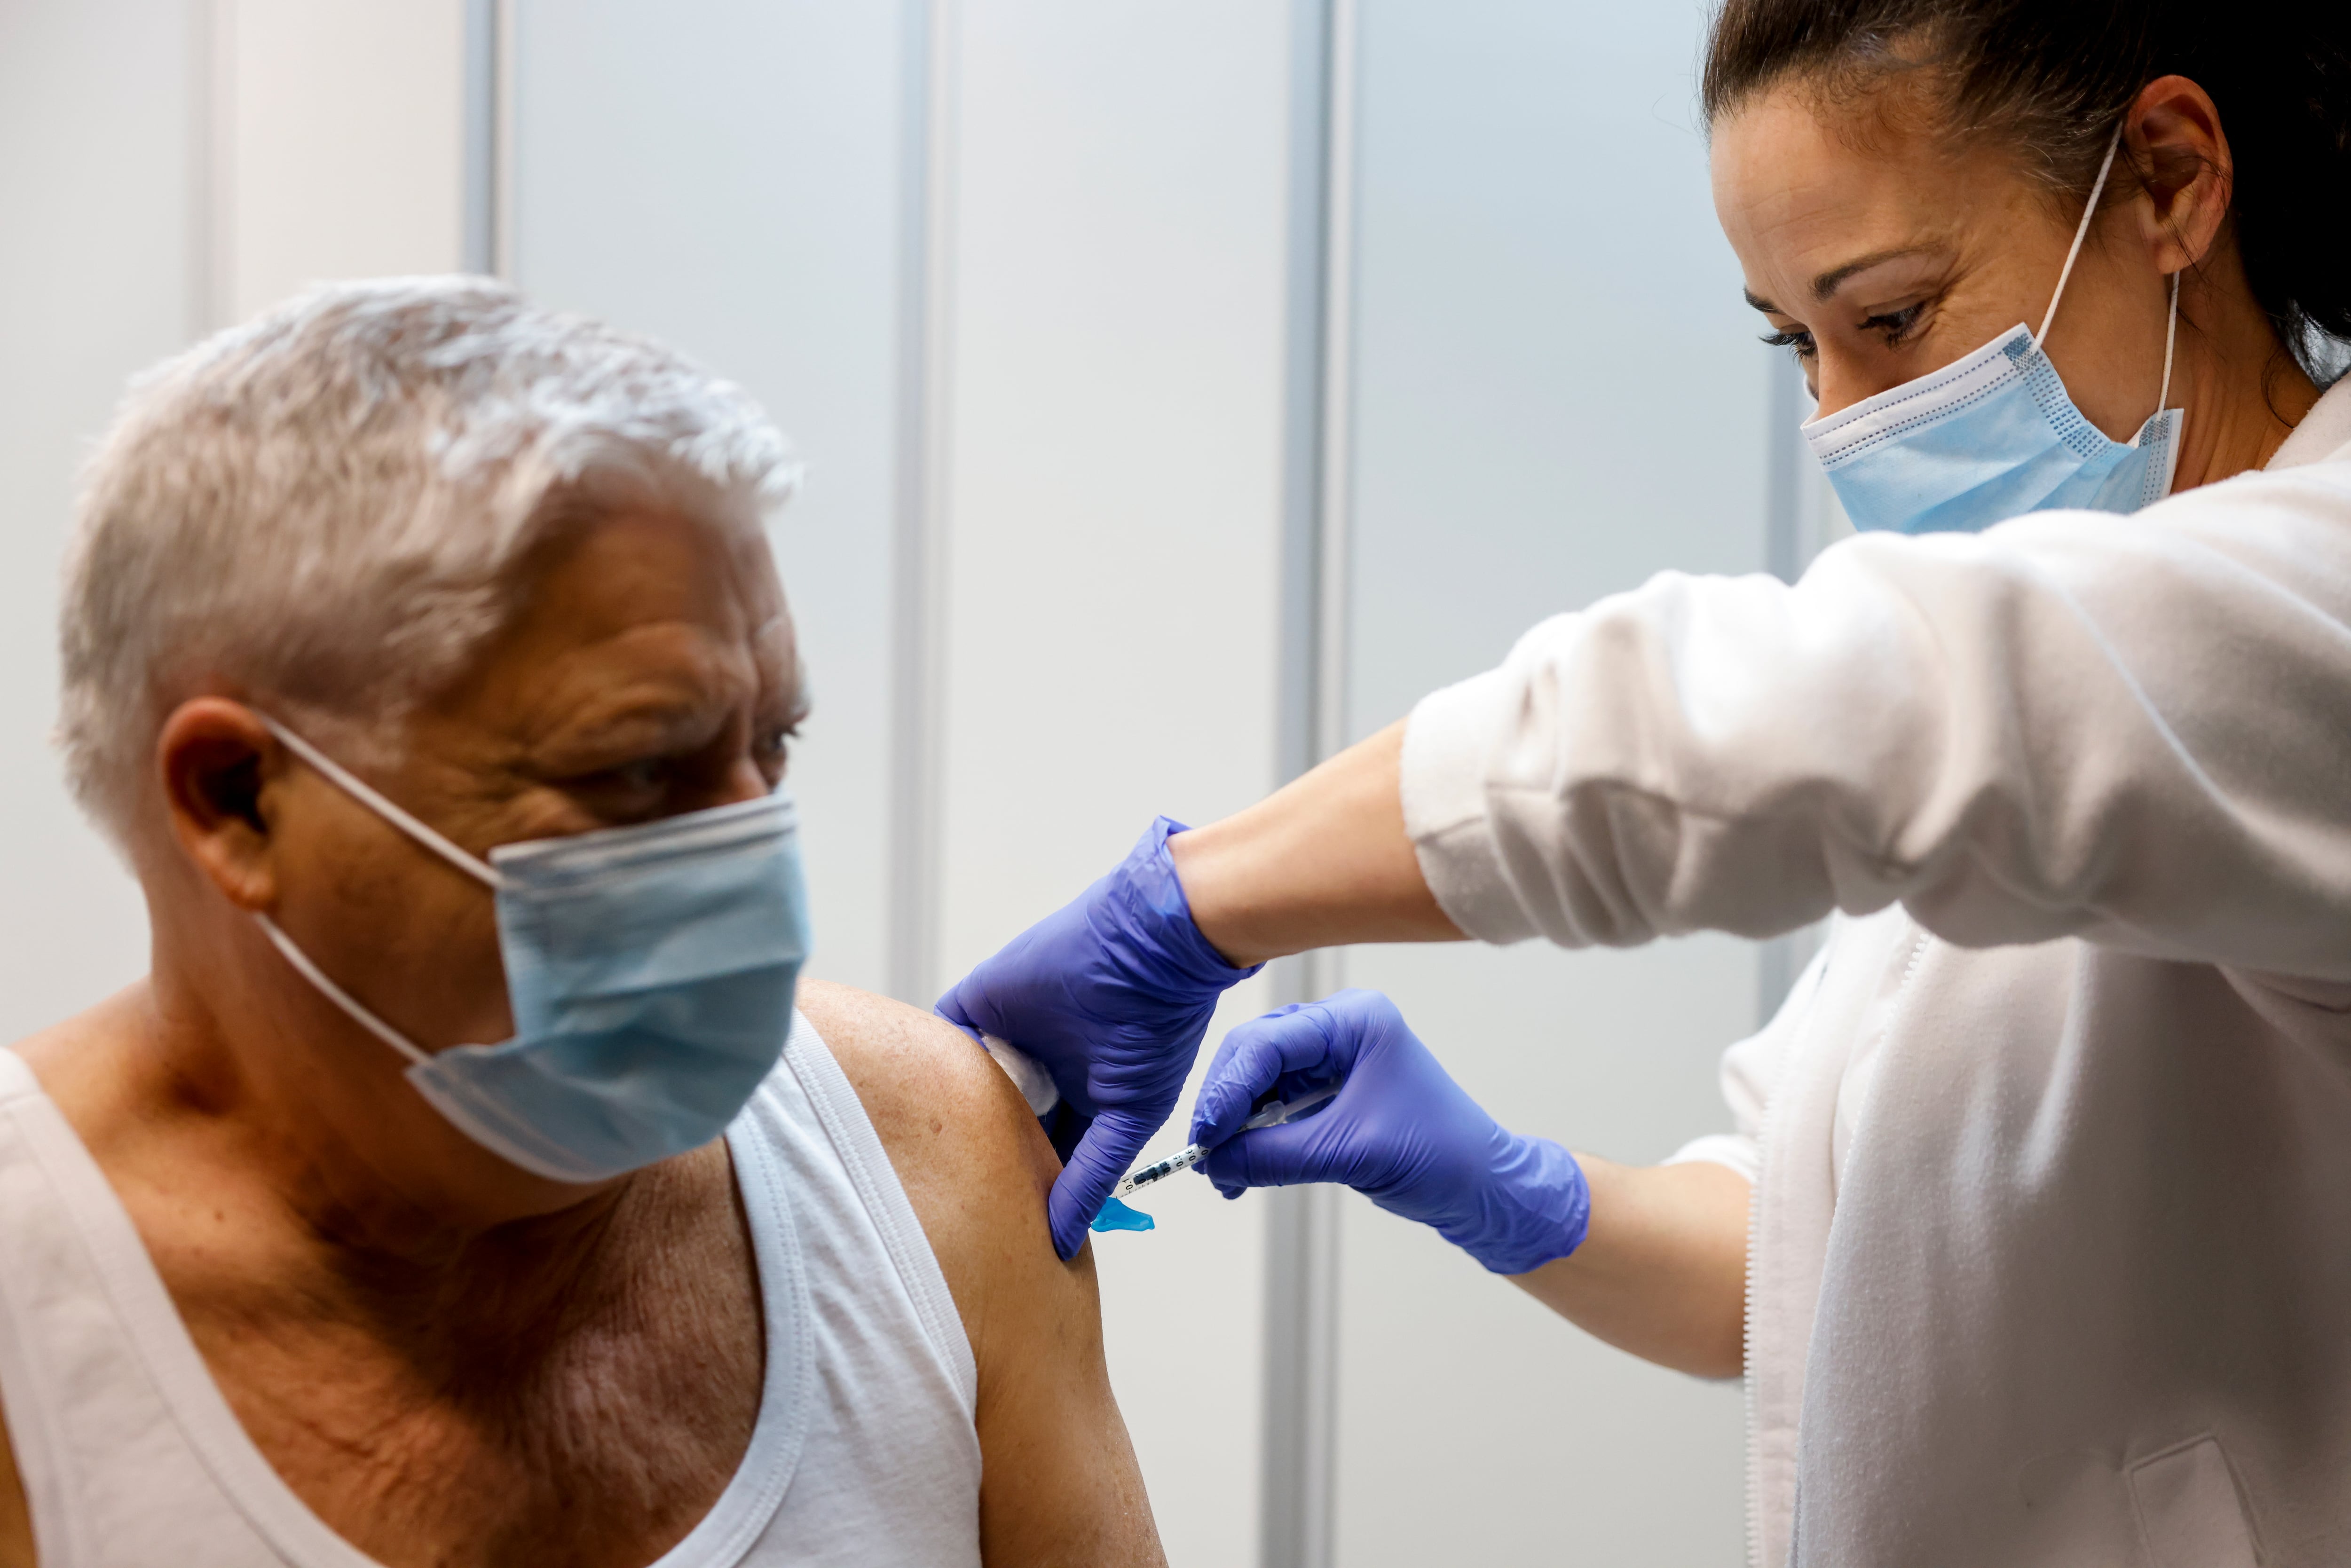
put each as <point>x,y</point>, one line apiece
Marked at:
<point>1065,1127</point>
<point>1291,1154</point>
<point>950,1008</point>
<point>1254,1058</point>
<point>1104,1154</point>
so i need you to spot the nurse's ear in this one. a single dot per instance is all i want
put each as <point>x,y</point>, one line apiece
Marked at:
<point>219,768</point>
<point>2173,139</point>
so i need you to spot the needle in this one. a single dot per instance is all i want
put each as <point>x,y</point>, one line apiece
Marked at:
<point>1192,1154</point>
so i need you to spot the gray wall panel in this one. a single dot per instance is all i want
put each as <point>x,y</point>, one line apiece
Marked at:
<point>1556,394</point>
<point>724,174</point>
<point>1114,560</point>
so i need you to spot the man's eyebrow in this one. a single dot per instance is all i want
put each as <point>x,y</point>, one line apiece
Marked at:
<point>1760,303</point>
<point>802,702</point>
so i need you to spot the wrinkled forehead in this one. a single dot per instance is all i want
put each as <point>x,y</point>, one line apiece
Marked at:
<point>1795,191</point>
<point>639,599</point>
<point>1808,187</point>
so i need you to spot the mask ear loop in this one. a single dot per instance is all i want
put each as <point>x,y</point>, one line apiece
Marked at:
<point>2163,396</point>
<point>375,799</point>
<point>2080,234</point>
<point>2170,333</point>
<point>351,1006</point>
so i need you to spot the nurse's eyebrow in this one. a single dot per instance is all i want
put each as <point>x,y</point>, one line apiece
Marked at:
<point>1825,285</point>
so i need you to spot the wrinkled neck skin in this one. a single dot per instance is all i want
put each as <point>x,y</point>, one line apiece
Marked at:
<point>2243,393</point>
<point>273,1153</point>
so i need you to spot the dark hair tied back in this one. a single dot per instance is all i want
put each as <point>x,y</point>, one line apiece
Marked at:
<point>2052,77</point>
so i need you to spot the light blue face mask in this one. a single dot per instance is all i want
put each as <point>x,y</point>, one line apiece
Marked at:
<point>650,969</point>
<point>1994,436</point>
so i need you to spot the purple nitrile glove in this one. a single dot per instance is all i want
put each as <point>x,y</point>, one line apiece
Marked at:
<point>1400,1132</point>
<point>1112,993</point>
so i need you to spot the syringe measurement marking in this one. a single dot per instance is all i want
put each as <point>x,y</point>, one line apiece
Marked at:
<point>1183,1161</point>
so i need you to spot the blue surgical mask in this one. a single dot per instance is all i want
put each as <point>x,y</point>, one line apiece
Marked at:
<point>650,969</point>
<point>1994,437</point>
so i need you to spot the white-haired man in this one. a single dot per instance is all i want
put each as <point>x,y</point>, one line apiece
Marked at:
<point>461,1185</point>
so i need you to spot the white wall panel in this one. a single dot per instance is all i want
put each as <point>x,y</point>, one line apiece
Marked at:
<point>1114,484</point>
<point>725,175</point>
<point>1552,396</point>
<point>338,129</point>
<point>1556,394</point>
<point>96,110</point>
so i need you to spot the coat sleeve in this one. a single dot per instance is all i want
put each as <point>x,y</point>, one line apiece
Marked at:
<point>2136,730</point>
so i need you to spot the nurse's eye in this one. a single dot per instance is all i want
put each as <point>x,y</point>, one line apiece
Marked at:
<point>1794,340</point>
<point>1895,325</point>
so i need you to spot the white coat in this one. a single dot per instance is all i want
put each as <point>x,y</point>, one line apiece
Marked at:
<point>2051,1145</point>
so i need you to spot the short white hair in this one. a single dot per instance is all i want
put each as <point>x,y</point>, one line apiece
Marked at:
<point>327,506</point>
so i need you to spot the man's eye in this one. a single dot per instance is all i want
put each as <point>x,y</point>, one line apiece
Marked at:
<point>1795,339</point>
<point>770,746</point>
<point>645,773</point>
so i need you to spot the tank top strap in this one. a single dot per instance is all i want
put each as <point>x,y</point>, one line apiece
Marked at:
<point>105,1395</point>
<point>891,1468</point>
<point>865,1448</point>
<point>16,1079</point>
<point>873,1182</point>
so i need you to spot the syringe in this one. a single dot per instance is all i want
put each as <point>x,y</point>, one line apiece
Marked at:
<point>1271,1116</point>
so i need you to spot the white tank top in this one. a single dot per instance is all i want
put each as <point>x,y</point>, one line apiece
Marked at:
<point>864,1450</point>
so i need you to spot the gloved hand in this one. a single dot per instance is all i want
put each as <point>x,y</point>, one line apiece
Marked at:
<point>1112,993</point>
<point>1400,1132</point>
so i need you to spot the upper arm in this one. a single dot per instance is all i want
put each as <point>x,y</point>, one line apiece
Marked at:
<point>16,1514</point>
<point>1059,1482</point>
<point>2125,730</point>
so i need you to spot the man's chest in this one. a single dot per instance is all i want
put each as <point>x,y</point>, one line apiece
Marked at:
<point>498,1414</point>
<point>607,1449</point>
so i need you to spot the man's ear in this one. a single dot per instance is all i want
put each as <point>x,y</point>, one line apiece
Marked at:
<point>219,765</point>
<point>2176,142</point>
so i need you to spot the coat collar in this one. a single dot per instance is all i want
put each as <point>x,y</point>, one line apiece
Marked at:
<point>2324,432</point>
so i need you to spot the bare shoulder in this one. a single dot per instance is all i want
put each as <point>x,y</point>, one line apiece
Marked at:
<point>974,1163</point>
<point>1059,1482</point>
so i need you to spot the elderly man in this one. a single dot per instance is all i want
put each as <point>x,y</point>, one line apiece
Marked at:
<point>461,1186</point>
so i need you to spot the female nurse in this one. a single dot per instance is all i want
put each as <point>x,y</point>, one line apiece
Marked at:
<point>2035,1239</point>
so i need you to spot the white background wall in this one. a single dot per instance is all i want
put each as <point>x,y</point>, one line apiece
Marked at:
<point>96,263</point>
<point>1113,543</point>
<point>725,175</point>
<point>1553,396</point>
<point>1556,393</point>
<point>338,136</point>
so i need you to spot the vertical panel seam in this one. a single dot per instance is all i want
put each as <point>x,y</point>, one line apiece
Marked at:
<point>1297,1492</point>
<point>918,632</point>
<point>212,147</point>
<point>505,136</point>
<point>480,65</point>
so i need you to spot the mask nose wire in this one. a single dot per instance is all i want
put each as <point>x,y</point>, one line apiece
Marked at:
<point>369,796</point>
<point>2081,233</point>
